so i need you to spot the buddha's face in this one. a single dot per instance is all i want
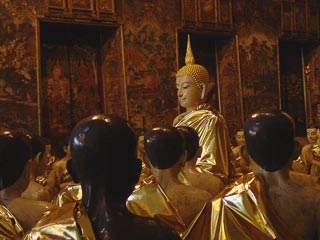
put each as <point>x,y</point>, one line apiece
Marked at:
<point>189,94</point>
<point>240,138</point>
<point>312,135</point>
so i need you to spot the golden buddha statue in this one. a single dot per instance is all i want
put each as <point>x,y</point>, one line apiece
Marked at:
<point>264,204</point>
<point>193,86</point>
<point>166,198</point>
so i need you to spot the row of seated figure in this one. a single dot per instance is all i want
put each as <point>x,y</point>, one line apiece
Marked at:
<point>308,161</point>
<point>172,203</point>
<point>174,182</point>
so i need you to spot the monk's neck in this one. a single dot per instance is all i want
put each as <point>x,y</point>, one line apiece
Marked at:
<point>189,167</point>
<point>166,178</point>
<point>275,180</point>
<point>14,191</point>
<point>189,109</point>
<point>102,210</point>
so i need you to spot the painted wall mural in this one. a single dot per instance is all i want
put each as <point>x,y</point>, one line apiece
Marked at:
<point>70,88</point>
<point>314,81</point>
<point>115,100</point>
<point>258,27</point>
<point>150,61</point>
<point>291,86</point>
<point>18,94</point>
<point>139,62</point>
<point>258,61</point>
<point>230,92</point>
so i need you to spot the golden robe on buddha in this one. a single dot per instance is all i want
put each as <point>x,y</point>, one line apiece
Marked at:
<point>68,222</point>
<point>151,201</point>
<point>10,229</point>
<point>213,138</point>
<point>240,212</point>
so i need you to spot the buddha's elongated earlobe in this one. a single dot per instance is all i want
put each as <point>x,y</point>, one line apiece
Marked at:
<point>203,90</point>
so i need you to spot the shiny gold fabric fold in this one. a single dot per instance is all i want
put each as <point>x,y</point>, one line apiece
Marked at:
<point>145,176</point>
<point>151,201</point>
<point>183,179</point>
<point>214,139</point>
<point>67,222</point>
<point>240,212</point>
<point>315,169</point>
<point>10,229</point>
<point>70,193</point>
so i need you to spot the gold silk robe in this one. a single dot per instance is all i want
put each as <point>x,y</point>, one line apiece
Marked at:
<point>315,169</point>
<point>151,201</point>
<point>70,193</point>
<point>68,222</point>
<point>240,212</point>
<point>213,138</point>
<point>10,229</point>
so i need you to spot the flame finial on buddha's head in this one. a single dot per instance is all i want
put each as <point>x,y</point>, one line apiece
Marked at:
<point>197,72</point>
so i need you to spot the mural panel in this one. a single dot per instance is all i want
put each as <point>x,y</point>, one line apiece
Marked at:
<point>150,61</point>
<point>314,81</point>
<point>258,26</point>
<point>18,95</point>
<point>230,92</point>
<point>113,76</point>
<point>291,85</point>
<point>70,88</point>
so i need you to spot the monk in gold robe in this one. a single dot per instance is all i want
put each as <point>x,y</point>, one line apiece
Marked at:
<point>15,151</point>
<point>68,222</point>
<point>264,204</point>
<point>167,199</point>
<point>25,199</point>
<point>188,174</point>
<point>104,161</point>
<point>310,154</point>
<point>193,86</point>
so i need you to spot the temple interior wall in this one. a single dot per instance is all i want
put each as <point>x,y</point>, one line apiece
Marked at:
<point>120,57</point>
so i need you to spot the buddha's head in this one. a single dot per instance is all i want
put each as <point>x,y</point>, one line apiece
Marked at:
<point>192,82</point>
